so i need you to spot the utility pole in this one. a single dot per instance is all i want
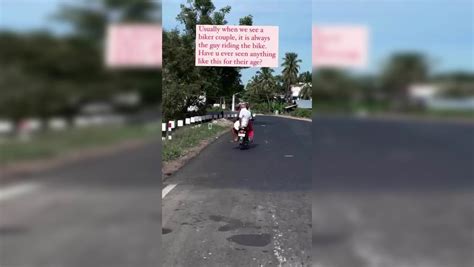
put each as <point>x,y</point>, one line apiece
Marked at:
<point>233,102</point>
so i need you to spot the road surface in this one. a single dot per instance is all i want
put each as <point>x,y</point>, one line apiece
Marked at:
<point>243,208</point>
<point>385,193</point>
<point>101,212</point>
<point>392,193</point>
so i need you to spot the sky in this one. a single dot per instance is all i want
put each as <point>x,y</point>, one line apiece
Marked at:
<point>27,15</point>
<point>293,17</point>
<point>441,29</point>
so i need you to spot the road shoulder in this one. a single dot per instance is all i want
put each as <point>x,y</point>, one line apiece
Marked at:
<point>288,117</point>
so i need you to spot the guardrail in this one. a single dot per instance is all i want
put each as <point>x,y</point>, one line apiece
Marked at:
<point>32,125</point>
<point>167,128</point>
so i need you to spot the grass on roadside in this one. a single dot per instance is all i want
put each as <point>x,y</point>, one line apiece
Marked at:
<point>188,137</point>
<point>302,113</point>
<point>55,144</point>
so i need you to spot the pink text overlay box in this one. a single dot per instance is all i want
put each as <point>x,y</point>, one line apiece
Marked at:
<point>134,45</point>
<point>340,46</point>
<point>236,46</point>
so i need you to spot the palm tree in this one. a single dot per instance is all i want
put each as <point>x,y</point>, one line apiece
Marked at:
<point>265,78</point>
<point>262,87</point>
<point>280,84</point>
<point>290,70</point>
<point>305,77</point>
<point>266,82</point>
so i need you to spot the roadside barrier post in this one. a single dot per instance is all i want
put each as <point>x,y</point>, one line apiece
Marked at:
<point>163,131</point>
<point>170,129</point>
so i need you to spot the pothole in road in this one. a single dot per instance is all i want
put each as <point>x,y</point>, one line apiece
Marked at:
<point>253,240</point>
<point>165,231</point>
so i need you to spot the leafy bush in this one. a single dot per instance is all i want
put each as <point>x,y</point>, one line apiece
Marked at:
<point>214,109</point>
<point>299,112</point>
<point>260,108</point>
<point>267,108</point>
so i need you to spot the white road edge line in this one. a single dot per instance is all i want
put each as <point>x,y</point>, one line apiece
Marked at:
<point>16,190</point>
<point>167,189</point>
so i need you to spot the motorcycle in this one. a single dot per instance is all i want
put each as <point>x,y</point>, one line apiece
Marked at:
<point>243,138</point>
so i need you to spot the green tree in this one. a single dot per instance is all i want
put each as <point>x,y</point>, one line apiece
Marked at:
<point>52,81</point>
<point>305,77</point>
<point>332,85</point>
<point>459,90</point>
<point>290,71</point>
<point>247,20</point>
<point>457,76</point>
<point>49,75</point>
<point>90,21</point>
<point>179,69</point>
<point>262,87</point>
<point>402,70</point>
<point>280,84</point>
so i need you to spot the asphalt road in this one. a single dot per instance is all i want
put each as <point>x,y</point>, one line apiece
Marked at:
<point>384,193</point>
<point>392,193</point>
<point>252,207</point>
<point>102,212</point>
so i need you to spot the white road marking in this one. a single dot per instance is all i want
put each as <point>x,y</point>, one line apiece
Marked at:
<point>289,156</point>
<point>167,189</point>
<point>12,191</point>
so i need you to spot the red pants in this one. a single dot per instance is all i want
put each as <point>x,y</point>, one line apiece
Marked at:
<point>250,130</point>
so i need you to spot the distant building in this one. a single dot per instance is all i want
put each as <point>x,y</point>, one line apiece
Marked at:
<point>296,89</point>
<point>430,96</point>
<point>423,92</point>
<point>295,95</point>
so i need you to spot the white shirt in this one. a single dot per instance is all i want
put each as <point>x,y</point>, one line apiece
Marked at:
<point>245,116</point>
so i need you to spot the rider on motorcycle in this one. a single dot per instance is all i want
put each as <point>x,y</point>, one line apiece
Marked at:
<point>244,121</point>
